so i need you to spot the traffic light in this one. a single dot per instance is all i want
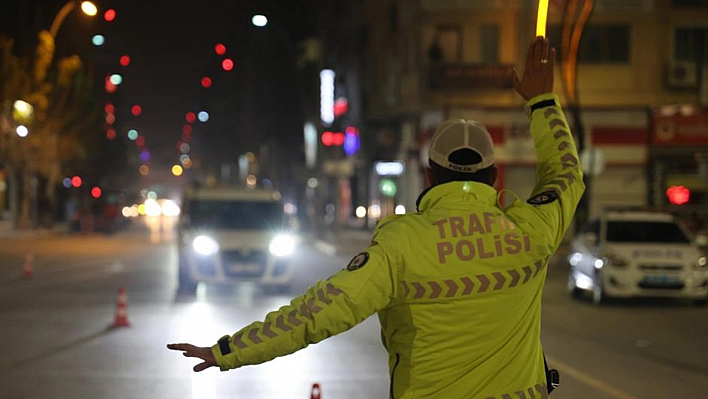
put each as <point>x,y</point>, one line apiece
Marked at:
<point>206,82</point>
<point>96,192</point>
<point>678,195</point>
<point>220,49</point>
<point>136,110</point>
<point>125,60</point>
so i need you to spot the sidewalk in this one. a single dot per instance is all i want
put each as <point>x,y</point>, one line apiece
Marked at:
<point>7,231</point>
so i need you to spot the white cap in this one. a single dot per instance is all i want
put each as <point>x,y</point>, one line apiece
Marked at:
<point>458,134</point>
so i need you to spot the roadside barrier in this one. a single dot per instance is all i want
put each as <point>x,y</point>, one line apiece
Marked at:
<point>316,392</point>
<point>27,271</point>
<point>121,319</point>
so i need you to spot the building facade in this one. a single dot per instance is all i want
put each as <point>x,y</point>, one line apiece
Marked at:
<point>641,82</point>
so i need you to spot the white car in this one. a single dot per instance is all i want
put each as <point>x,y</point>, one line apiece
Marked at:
<point>624,254</point>
<point>232,235</point>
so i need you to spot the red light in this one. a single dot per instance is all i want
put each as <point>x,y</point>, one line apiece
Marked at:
<point>111,134</point>
<point>191,117</point>
<point>136,110</point>
<point>110,119</point>
<point>327,138</point>
<point>187,129</point>
<point>109,108</point>
<point>96,192</point>
<point>220,49</point>
<point>125,60</point>
<point>186,137</point>
<point>678,195</point>
<point>206,82</point>
<point>76,181</point>
<point>227,64</point>
<point>341,106</point>
<point>338,139</point>
<point>110,87</point>
<point>140,141</point>
<point>109,15</point>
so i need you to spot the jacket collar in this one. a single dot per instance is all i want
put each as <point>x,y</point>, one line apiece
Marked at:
<point>461,192</point>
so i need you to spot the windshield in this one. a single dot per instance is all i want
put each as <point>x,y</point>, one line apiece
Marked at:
<point>646,232</point>
<point>252,215</point>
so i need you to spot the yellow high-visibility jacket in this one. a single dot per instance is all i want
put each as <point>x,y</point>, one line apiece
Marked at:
<point>457,285</point>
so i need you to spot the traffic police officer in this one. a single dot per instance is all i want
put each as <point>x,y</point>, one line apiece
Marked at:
<point>457,285</point>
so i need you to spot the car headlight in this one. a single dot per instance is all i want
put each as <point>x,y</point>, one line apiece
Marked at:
<point>701,263</point>
<point>282,245</point>
<point>204,245</point>
<point>614,260</point>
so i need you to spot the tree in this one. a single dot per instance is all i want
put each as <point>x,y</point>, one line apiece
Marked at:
<point>65,112</point>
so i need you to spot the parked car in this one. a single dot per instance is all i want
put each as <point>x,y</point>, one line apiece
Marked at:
<point>624,254</point>
<point>232,235</point>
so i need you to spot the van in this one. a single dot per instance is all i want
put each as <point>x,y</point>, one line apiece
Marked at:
<point>233,235</point>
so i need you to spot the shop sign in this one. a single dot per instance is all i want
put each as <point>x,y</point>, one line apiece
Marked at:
<point>680,130</point>
<point>471,76</point>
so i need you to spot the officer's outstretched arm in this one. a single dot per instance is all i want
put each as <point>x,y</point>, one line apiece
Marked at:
<point>348,297</point>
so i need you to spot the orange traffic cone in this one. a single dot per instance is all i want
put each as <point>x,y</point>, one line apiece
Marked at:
<point>316,392</point>
<point>27,268</point>
<point>121,310</point>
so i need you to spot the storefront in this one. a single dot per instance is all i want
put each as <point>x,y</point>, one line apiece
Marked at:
<point>679,156</point>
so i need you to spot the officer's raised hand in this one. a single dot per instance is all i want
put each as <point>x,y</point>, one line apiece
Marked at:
<point>538,72</point>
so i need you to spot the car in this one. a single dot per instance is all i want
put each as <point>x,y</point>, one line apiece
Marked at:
<point>633,253</point>
<point>233,235</point>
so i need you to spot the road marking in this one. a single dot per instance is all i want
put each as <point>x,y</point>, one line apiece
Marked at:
<point>588,380</point>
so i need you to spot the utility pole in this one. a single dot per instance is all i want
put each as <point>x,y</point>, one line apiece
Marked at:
<point>570,36</point>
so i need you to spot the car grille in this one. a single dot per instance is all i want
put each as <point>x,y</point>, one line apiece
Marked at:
<point>242,264</point>
<point>206,265</point>
<point>673,268</point>
<point>673,285</point>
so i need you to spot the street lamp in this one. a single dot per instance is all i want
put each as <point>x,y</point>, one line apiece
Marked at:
<point>87,7</point>
<point>22,111</point>
<point>22,131</point>
<point>259,20</point>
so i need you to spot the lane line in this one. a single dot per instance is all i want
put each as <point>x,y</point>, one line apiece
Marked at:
<point>588,380</point>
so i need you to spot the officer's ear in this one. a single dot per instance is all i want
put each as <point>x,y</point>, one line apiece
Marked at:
<point>495,175</point>
<point>429,177</point>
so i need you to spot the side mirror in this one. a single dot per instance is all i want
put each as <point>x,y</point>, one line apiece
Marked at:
<point>590,238</point>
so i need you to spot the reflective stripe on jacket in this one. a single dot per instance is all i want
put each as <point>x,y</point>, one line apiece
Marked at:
<point>457,285</point>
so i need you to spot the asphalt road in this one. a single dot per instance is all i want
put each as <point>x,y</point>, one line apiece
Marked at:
<point>56,342</point>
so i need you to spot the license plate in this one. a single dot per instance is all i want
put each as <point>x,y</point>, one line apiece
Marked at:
<point>661,280</point>
<point>245,267</point>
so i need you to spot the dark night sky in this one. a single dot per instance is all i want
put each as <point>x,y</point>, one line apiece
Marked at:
<point>171,44</point>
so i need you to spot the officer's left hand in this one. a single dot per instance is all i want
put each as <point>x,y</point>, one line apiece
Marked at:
<point>203,353</point>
